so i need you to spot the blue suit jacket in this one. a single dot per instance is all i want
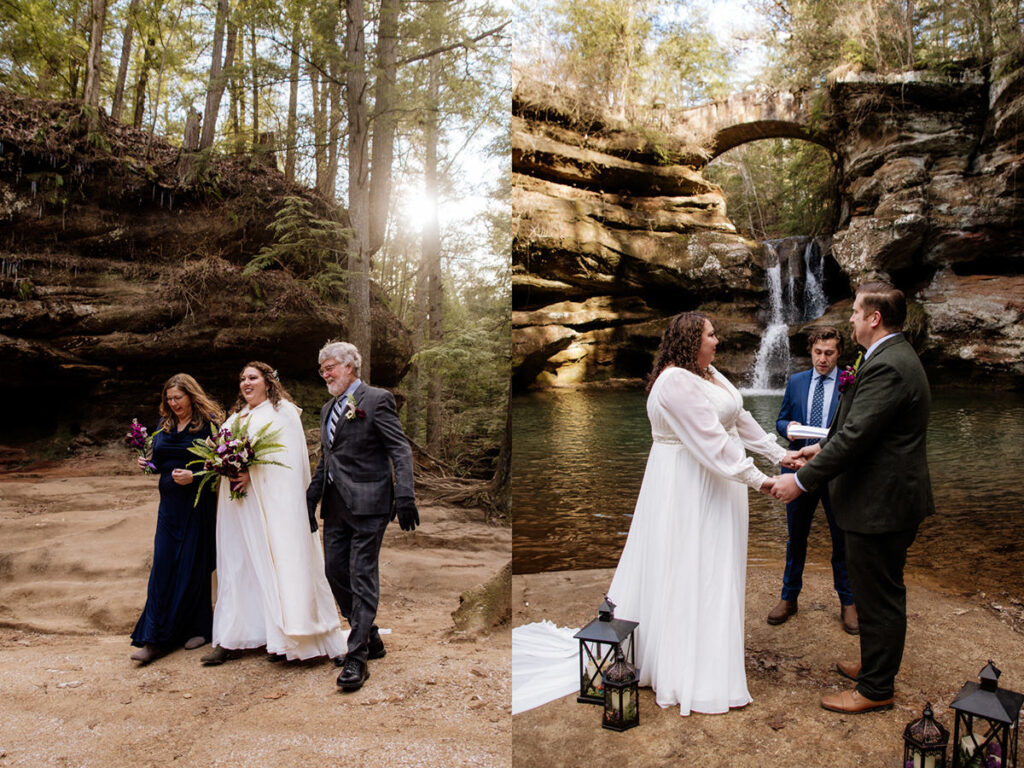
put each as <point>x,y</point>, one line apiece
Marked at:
<point>794,405</point>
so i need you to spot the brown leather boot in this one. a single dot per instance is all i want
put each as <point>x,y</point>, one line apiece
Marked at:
<point>782,611</point>
<point>848,615</point>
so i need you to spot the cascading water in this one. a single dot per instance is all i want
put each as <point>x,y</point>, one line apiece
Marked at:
<point>771,364</point>
<point>815,302</point>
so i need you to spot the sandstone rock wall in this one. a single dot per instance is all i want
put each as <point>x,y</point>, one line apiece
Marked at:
<point>121,264</point>
<point>933,185</point>
<point>615,232</point>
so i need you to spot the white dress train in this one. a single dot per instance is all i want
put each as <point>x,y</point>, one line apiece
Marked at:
<point>682,573</point>
<point>271,586</point>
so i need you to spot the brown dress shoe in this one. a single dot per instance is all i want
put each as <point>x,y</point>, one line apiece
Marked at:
<point>852,703</point>
<point>782,611</point>
<point>848,614</point>
<point>848,669</point>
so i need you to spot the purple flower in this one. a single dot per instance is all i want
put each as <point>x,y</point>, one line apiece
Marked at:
<point>846,378</point>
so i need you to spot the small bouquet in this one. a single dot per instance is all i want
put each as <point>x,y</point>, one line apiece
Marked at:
<point>228,454</point>
<point>139,439</point>
<point>353,412</point>
<point>848,375</point>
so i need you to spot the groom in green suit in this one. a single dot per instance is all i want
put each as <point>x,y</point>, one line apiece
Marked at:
<point>874,461</point>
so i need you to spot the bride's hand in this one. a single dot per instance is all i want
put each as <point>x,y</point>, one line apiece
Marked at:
<point>767,486</point>
<point>240,483</point>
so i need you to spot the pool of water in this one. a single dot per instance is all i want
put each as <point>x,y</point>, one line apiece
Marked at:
<point>579,456</point>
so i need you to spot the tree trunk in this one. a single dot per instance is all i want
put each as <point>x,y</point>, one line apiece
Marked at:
<point>334,112</point>
<point>215,86</point>
<point>235,90</point>
<point>384,124</point>
<point>432,256</point>
<point>94,64</point>
<point>319,127</point>
<point>414,406</point>
<point>117,108</point>
<point>192,127</point>
<point>291,131</point>
<point>255,87</point>
<point>500,488</point>
<point>142,83</point>
<point>358,185</point>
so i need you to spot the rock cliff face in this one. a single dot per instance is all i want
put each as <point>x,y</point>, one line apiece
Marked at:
<point>933,185</point>
<point>122,264</point>
<point>617,232</point>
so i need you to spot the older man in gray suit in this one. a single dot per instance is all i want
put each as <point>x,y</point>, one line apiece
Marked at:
<point>876,465</point>
<point>361,439</point>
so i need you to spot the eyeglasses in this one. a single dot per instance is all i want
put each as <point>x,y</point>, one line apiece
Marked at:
<point>324,370</point>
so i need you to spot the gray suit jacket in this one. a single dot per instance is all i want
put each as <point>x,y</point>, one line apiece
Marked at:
<point>874,458</point>
<point>360,460</point>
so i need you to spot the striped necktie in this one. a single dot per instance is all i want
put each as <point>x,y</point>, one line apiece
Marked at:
<point>332,420</point>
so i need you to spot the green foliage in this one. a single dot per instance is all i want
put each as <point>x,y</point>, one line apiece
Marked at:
<point>309,247</point>
<point>627,54</point>
<point>777,187</point>
<point>809,38</point>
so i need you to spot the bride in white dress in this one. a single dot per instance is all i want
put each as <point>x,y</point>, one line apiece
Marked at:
<point>271,587</point>
<point>682,573</point>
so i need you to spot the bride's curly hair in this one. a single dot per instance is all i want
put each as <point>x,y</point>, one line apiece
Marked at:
<point>679,345</point>
<point>275,389</point>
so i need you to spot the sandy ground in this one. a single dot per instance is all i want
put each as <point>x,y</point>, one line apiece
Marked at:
<point>74,559</point>
<point>789,668</point>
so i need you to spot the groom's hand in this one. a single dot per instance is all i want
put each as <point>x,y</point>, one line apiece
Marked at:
<point>785,488</point>
<point>408,516</point>
<point>808,452</point>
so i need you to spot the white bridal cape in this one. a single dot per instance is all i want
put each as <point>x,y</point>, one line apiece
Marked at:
<point>271,587</point>
<point>682,573</point>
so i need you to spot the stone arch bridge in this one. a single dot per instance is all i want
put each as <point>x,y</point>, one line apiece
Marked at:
<point>750,116</point>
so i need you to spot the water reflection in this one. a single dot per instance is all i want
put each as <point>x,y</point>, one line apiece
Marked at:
<point>579,456</point>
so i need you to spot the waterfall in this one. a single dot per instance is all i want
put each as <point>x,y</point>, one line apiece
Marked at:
<point>815,303</point>
<point>772,359</point>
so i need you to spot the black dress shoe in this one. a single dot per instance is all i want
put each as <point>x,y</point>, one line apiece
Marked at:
<point>216,657</point>
<point>276,657</point>
<point>353,675</point>
<point>376,651</point>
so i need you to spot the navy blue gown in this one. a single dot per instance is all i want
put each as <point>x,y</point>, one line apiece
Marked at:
<point>178,605</point>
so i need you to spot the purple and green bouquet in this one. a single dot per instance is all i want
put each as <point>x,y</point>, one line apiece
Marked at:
<point>139,439</point>
<point>229,454</point>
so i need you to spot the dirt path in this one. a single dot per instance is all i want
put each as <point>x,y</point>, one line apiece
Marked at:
<point>74,558</point>
<point>789,668</point>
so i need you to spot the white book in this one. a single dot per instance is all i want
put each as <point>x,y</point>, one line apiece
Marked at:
<point>803,432</point>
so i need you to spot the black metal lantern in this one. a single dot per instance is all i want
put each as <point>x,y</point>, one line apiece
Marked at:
<point>599,641</point>
<point>925,742</point>
<point>621,695</point>
<point>985,730</point>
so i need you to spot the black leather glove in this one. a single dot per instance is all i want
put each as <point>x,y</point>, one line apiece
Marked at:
<point>408,516</point>
<point>313,527</point>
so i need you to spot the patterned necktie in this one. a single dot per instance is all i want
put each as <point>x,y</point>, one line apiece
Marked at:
<point>818,403</point>
<point>332,420</point>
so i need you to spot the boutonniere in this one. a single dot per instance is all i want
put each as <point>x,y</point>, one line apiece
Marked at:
<point>848,375</point>
<point>352,411</point>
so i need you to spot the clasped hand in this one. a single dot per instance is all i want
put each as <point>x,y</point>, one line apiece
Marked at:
<point>784,487</point>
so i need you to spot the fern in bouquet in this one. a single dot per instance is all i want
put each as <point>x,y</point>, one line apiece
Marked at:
<point>228,454</point>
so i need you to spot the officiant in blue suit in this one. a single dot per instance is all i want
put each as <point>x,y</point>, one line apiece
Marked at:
<point>811,399</point>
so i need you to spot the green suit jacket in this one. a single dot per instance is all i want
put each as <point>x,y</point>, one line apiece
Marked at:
<point>874,458</point>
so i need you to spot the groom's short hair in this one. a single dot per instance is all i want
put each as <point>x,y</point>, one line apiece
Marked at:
<point>886,299</point>
<point>824,333</point>
<point>343,352</point>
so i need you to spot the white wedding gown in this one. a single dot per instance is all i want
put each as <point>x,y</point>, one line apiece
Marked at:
<point>682,573</point>
<point>271,586</point>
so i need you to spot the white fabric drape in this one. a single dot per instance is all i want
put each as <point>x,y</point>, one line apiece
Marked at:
<point>271,587</point>
<point>545,664</point>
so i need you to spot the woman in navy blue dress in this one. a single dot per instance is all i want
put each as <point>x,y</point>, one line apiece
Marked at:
<point>178,607</point>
